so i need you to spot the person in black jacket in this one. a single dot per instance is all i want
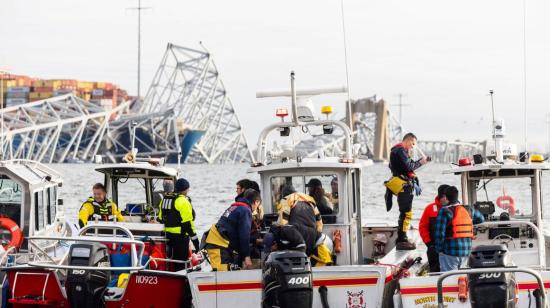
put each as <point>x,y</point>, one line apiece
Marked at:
<point>403,166</point>
<point>315,190</point>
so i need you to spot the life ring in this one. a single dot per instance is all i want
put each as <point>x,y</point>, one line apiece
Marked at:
<point>16,233</point>
<point>506,202</point>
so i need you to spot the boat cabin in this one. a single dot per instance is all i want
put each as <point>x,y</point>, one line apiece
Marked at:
<point>29,197</point>
<point>509,196</point>
<point>137,190</point>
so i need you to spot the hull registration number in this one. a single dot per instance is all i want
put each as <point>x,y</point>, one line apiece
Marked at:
<point>146,279</point>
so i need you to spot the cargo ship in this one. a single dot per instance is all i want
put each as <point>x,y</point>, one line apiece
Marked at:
<point>21,89</point>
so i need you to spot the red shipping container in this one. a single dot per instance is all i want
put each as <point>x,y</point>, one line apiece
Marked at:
<point>43,89</point>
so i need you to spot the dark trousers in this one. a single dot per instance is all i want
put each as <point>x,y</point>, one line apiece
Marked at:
<point>178,246</point>
<point>433,258</point>
<point>404,200</point>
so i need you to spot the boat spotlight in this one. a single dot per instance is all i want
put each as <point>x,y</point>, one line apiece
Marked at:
<point>327,128</point>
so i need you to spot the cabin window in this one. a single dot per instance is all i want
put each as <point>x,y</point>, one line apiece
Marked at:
<point>10,198</point>
<point>48,206</point>
<point>131,192</point>
<point>325,195</point>
<point>38,210</point>
<point>53,202</point>
<point>502,190</point>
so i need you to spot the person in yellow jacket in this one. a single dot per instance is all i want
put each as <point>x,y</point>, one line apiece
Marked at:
<point>176,212</point>
<point>98,207</point>
<point>299,210</point>
<point>228,241</point>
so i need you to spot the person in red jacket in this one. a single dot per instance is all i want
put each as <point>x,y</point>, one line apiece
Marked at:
<point>427,228</point>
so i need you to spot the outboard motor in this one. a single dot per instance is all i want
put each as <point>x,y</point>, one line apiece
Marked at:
<point>287,280</point>
<point>500,286</point>
<point>86,288</point>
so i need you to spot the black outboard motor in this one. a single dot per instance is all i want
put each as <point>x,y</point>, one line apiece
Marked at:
<point>86,288</point>
<point>491,290</point>
<point>287,280</point>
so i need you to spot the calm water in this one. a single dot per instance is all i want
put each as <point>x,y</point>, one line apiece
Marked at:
<point>213,189</point>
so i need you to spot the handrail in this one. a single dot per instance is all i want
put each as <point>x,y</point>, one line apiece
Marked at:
<point>136,255</point>
<point>262,140</point>
<point>39,165</point>
<point>5,256</point>
<point>440,279</point>
<point>98,268</point>
<point>109,226</point>
<point>540,239</point>
<point>105,226</point>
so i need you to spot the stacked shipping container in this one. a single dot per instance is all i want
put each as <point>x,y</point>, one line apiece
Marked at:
<point>18,89</point>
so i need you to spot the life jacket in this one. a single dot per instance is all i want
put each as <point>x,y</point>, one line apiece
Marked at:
<point>102,211</point>
<point>170,216</point>
<point>461,225</point>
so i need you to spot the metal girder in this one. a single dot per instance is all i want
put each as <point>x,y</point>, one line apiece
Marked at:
<point>58,129</point>
<point>188,84</point>
<point>187,94</point>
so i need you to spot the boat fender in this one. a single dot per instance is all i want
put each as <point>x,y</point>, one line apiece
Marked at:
<point>337,239</point>
<point>506,202</point>
<point>16,233</point>
<point>462,289</point>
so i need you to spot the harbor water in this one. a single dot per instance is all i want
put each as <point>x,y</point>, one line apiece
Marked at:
<point>213,189</point>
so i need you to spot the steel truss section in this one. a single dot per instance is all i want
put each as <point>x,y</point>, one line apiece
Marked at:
<point>188,84</point>
<point>59,129</point>
<point>365,126</point>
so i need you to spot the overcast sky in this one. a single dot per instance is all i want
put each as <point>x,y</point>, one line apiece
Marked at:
<point>443,55</point>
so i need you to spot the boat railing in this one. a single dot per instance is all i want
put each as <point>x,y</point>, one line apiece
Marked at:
<point>538,234</point>
<point>37,165</point>
<point>137,250</point>
<point>152,259</point>
<point>533,273</point>
<point>6,256</point>
<point>262,140</point>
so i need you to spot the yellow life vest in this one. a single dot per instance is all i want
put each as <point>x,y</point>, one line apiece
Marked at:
<point>396,184</point>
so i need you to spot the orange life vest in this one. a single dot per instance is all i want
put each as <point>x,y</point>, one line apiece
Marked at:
<point>462,225</point>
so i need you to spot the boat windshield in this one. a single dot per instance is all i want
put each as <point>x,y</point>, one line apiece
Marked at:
<point>510,195</point>
<point>323,188</point>
<point>10,198</point>
<point>132,192</point>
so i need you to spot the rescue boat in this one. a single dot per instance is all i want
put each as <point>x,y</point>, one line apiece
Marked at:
<point>112,264</point>
<point>508,265</point>
<point>107,263</point>
<point>366,265</point>
<point>29,206</point>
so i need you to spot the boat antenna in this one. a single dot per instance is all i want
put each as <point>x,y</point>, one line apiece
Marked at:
<point>491,92</point>
<point>350,122</point>
<point>524,76</point>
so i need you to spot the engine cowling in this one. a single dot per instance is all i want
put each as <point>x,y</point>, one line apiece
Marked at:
<point>501,286</point>
<point>287,280</point>
<point>86,288</point>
